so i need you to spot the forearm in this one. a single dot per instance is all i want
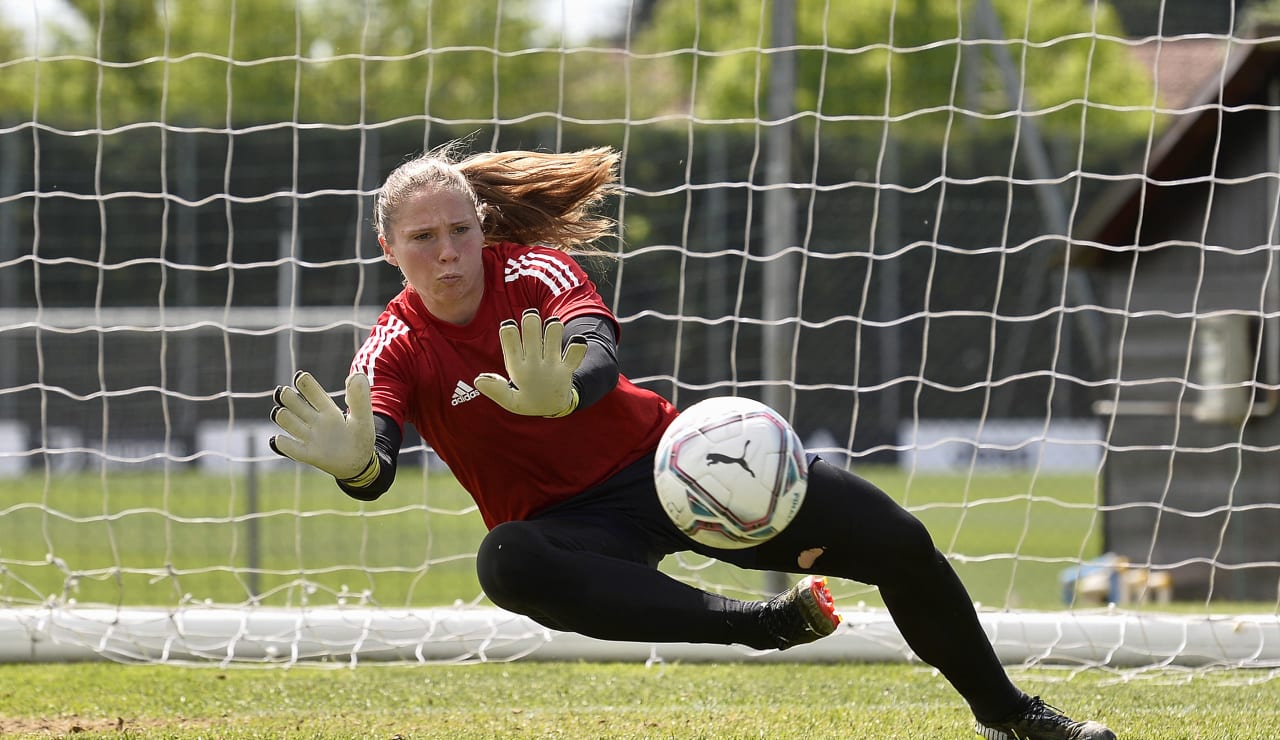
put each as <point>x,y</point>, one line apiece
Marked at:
<point>387,438</point>
<point>598,373</point>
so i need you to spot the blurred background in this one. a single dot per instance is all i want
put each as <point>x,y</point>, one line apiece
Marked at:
<point>1001,234</point>
<point>208,158</point>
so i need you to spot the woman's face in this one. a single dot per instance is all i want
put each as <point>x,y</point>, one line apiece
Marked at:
<point>436,240</point>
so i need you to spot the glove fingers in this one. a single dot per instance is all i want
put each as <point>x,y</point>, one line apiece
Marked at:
<point>531,334</point>
<point>314,393</point>
<point>512,351</point>
<point>271,442</point>
<point>290,423</point>
<point>317,433</point>
<point>552,337</point>
<point>496,387</point>
<point>359,404</point>
<point>574,352</point>
<point>288,398</point>
<point>288,447</point>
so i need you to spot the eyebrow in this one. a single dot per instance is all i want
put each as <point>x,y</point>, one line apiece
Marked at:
<point>429,227</point>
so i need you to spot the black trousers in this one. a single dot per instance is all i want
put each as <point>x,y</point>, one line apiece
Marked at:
<point>589,565</point>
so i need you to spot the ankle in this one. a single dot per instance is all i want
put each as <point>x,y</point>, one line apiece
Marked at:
<point>1007,708</point>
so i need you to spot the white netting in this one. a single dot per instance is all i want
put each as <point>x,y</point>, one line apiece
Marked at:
<point>1013,260</point>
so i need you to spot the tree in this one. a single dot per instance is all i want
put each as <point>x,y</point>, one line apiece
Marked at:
<point>213,62</point>
<point>920,66</point>
<point>918,62</point>
<point>14,83</point>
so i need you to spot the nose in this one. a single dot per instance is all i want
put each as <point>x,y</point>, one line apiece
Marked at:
<point>448,251</point>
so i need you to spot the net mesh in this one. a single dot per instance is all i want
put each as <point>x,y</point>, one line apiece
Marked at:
<point>1012,261</point>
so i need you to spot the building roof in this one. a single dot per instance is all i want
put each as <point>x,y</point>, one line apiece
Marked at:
<point>1181,67</point>
<point>1197,79</point>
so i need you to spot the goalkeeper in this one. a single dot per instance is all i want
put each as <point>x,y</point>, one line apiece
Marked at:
<point>503,357</point>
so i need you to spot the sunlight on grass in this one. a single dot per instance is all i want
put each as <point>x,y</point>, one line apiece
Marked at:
<point>292,538</point>
<point>591,700</point>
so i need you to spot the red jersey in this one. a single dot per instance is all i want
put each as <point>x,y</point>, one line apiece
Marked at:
<point>421,370</point>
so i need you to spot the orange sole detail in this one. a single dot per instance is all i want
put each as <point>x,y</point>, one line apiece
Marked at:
<point>823,598</point>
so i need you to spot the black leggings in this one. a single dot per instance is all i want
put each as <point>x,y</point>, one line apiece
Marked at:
<point>590,566</point>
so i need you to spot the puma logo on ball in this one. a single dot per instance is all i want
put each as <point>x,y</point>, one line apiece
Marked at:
<point>714,458</point>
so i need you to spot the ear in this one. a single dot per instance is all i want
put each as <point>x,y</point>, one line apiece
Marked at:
<point>386,251</point>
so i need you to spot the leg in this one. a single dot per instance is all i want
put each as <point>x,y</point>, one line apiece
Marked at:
<point>848,528</point>
<point>593,570</point>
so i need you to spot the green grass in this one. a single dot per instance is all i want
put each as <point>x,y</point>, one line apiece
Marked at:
<point>150,538</point>
<point>569,700</point>
<point>155,538</point>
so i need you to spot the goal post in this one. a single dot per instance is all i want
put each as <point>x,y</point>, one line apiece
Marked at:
<point>1013,264</point>
<point>353,635</point>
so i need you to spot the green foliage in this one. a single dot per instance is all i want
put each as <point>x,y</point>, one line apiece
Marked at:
<point>917,61</point>
<point>1261,18</point>
<point>218,62</point>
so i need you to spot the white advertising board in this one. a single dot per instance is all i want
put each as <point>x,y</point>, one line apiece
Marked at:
<point>1010,444</point>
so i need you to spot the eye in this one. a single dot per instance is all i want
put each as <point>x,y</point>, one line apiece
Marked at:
<point>464,228</point>
<point>423,236</point>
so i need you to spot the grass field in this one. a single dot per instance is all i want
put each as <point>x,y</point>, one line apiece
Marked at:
<point>166,539</point>
<point>288,538</point>
<point>540,700</point>
<point>155,538</point>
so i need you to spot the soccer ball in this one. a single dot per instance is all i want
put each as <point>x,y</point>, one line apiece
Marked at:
<point>730,472</point>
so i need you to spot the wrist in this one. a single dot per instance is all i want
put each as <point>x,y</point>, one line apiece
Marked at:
<point>366,476</point>
<point>573,404</point>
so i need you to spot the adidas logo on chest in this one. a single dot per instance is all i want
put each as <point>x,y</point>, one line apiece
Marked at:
<point>462,393</point>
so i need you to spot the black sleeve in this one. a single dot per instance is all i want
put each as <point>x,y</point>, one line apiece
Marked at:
<point>598,373</point>
<point>387,437</point>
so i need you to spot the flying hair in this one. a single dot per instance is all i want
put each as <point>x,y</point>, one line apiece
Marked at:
<point>521,196</point>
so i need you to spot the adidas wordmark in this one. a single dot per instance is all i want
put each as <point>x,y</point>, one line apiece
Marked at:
<point>462,393</point>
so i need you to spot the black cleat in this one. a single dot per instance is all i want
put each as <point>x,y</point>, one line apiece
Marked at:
<point>802,613</point>
<point>1039,721</point>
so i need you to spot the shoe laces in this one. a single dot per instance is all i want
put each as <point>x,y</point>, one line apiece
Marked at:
<point>1037,708</point>
<point>1037,719</point>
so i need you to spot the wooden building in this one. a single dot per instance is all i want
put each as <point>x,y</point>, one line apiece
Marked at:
<point>1186,269</point>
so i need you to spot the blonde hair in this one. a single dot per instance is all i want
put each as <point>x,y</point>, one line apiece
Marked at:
<point>520,196</point>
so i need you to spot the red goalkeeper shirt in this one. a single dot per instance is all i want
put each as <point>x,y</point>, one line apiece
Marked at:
<point>513,466</point>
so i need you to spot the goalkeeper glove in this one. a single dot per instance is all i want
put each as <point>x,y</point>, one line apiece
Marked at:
<point>541,374</point>
<point>319,434</point>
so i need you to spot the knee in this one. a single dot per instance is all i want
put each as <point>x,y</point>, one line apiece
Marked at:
<point>912,543</point>
<point>508,563</point>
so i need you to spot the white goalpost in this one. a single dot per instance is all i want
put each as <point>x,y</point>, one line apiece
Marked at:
<point>1016,267</point>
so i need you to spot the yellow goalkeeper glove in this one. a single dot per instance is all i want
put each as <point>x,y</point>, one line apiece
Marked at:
<point>541,375</point>
<point>319,434</point>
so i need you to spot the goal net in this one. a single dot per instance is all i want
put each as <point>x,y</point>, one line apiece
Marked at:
<point>1012,260</point>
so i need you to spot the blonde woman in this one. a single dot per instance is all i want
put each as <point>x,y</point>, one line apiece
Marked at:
<point>502,355</point>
